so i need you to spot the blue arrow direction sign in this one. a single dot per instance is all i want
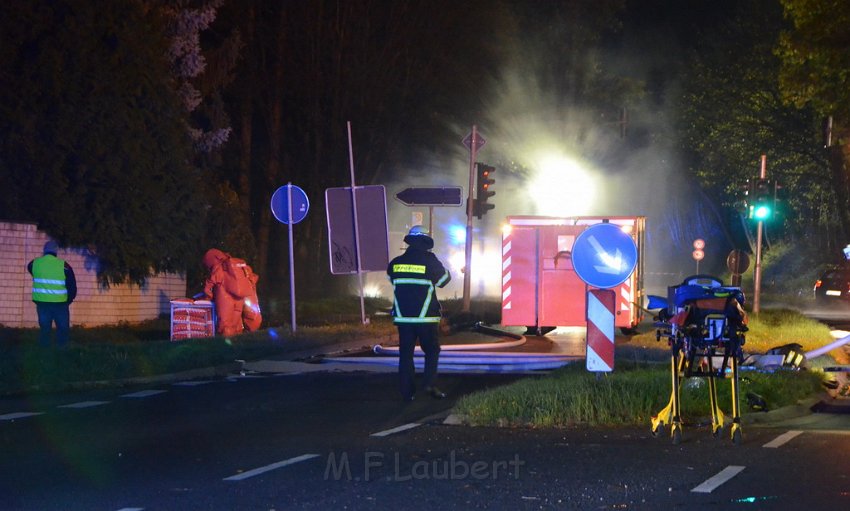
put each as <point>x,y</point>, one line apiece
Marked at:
<point>431,196</point>
<point>604,256</point>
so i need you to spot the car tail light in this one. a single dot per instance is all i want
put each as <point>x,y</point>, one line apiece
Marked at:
<point>818,283</point>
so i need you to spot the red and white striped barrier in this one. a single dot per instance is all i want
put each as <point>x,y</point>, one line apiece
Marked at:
<point>600,330</point>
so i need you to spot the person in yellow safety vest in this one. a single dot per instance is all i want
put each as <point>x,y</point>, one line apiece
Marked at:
<point>416,310</point>
<point>54,287</point>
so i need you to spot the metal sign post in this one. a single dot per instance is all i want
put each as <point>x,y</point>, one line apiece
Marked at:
<point>289,206</point>
<point>603,257</point>
<point>698,253</point>
<point>363,319</point>
<point>759,231</point>
<point>473,142</point>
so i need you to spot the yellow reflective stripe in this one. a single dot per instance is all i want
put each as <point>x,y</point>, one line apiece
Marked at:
<point>409,268</point>
<point>442,279</point>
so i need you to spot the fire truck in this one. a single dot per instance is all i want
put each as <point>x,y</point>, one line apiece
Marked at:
<point>540,288</point>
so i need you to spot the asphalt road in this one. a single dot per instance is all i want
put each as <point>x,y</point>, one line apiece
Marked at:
<point>346,441</point>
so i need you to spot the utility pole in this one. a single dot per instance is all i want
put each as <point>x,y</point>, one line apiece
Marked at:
<point>473,141</point>
<point>759,232</point>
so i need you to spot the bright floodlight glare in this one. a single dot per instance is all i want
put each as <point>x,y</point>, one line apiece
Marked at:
<point>561,187</point>
<point>457,233</point>
<point>485,266</point>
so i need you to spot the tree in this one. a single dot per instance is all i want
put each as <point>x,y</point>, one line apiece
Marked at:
<point>92,135</point>
<point>309,67</point>
<point>814,68</point>
<point>732,112</point>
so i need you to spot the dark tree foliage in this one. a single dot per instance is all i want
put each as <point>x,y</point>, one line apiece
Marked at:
<point>93,143</point>
<point>732,112</point>
<point>404,74</point>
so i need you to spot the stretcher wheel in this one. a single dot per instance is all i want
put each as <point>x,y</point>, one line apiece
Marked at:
<point>676,433</point>
<point>657,430</point>
<point>737,436</point>
<point>716,432</point>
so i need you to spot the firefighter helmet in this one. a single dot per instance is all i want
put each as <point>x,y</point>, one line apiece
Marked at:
<point>418,235</point>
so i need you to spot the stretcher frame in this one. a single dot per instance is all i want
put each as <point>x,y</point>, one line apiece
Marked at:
<point>704,345</point>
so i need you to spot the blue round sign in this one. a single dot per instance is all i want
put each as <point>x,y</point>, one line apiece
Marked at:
<point>280,204</point>
<point>604,256</point>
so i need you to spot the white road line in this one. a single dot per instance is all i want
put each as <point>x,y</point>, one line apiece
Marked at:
<point>191,383</point>
<point>267,468</point>
<point>84,404</point>
<point>145,393</point>
<point>18,415</point>
<point>782,439</point>
<point>713,482</point>
<point>396,430</point>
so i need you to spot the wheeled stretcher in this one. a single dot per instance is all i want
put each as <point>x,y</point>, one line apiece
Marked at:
<point>704,323</point>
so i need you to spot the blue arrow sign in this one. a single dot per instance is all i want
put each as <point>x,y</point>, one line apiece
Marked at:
<point>604,256</point>
<point>280,204</point>
<point>431,196</point>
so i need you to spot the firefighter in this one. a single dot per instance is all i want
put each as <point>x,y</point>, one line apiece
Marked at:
<point>416,310</point>
<point>232,286</point>
<point>54,287</point>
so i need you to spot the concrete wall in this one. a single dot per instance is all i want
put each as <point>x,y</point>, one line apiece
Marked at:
<point>94,305</point>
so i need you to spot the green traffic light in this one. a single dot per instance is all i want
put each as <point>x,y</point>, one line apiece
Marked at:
<point>761,212</point>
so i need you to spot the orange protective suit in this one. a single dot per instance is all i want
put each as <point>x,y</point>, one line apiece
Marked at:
<point>232,286</point>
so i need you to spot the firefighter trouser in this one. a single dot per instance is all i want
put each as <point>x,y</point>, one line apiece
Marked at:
<point>408,333</point>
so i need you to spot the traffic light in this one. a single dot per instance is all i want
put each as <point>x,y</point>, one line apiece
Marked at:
<point>763,200</point>
<point>745,196</point>
<point>480,206</point>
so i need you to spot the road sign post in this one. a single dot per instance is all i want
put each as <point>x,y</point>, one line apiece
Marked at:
<point>600,330</point>
<point>343,247</point>
<point>474,141</point>
<point>738,262</point>
<point>289,206</point>
<point>698,253</point>
<point>604,257</point>
<point>431,196</point>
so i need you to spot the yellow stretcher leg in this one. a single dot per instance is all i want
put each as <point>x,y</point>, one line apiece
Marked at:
<point>671,414</point>
<point>717,417</point>
<point>736,431</point>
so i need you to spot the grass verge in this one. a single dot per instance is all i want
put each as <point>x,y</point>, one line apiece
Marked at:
<point>571,396</point>
<point>133,351</point>
<point>637,390</point>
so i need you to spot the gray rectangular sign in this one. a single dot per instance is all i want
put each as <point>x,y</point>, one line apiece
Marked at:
<point>372,226</point>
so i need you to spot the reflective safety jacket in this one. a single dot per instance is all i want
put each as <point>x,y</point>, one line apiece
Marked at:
<point>48,280</point>
<point>414,275</point>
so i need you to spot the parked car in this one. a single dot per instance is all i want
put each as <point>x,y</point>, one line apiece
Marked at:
<point>833,286</point>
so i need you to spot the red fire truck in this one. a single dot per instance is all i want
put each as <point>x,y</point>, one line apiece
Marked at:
<point>540,288</point>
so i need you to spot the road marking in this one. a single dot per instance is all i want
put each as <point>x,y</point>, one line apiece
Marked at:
<point>131,509</point>
<point>18,415</point>
<point>84,404</point>
<point>782,439</point>
<point>145,393</point>
<point>397,430</point>
<point>236,378</point>
<point>267,468</point>
<point>721,477</point>
<point>191,383</point>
